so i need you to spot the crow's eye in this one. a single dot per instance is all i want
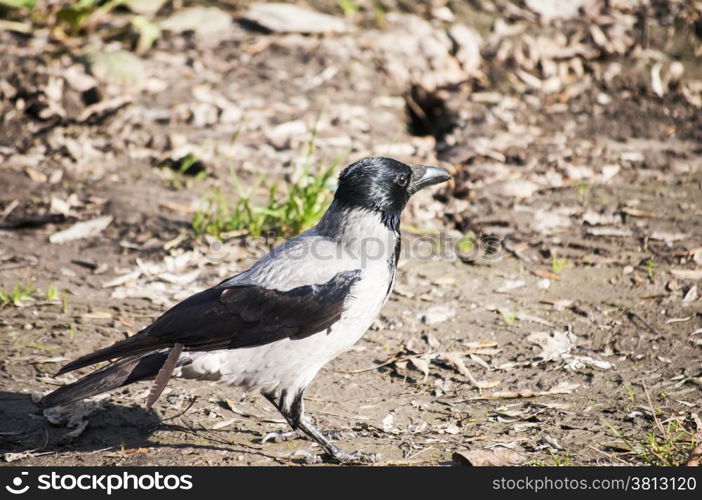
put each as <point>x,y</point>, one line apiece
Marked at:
<point>402,180</point>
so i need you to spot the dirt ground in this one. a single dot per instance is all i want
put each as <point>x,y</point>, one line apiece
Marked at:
<point>571,335</point>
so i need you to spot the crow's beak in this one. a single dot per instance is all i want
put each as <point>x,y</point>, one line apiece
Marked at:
<point>423,176</point>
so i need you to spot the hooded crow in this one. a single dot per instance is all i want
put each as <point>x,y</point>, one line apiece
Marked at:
<point>273,326</point>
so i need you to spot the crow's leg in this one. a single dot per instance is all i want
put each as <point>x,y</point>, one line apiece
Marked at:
<point>293,411</point>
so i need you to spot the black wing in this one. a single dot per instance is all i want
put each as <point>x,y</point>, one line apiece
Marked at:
<point>236,316</point>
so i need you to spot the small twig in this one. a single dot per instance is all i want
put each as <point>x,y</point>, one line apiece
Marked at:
<point>371,368</point>
<point>26,261</point>
<point>644,35</point>
<point>417,109</point>
<point>632,314</point>
<point>8,210</point>
<point>410,457</point>
<point>653,412</point>
<point>517,253</point>
<point>609,455</point>
<point>102,450</point>
<point>192,402</point>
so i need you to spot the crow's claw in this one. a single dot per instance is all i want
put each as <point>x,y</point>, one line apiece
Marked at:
<point>279,437</point>
<point>357,457</point>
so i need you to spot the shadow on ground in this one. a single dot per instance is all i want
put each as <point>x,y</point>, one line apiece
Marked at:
<point>111,427</point>
<point>23,427</point>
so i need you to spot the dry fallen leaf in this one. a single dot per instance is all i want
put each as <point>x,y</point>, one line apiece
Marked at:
<point>696,254</point>
<point>554,345</point>
<point>561,388</point>
<point>13,457</point>
<point>496,458</point>
<point>638,213</point>
<point>454,360</point>
<point>421,364</point>
<point>134,451</point>
<point>687,274</point>
<point>545,274</point>
<point>224,423</point>
<point>35,174</point>
<point>691,295</point>
<point>81,230</point>
<point>695,458</point>
<point>285,18</point>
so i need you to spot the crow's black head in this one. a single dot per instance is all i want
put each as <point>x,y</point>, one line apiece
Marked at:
<point>384,185</point>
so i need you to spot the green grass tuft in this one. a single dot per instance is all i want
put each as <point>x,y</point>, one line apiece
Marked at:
<point>285,210</point>
<point>348,7</point>
<point>667,444</point>
<point>17,296</point>
<point>558,265</point>
<point>510,317</point>
<point>52,294</point>
<point>18,4</point>
<point>556,460</point>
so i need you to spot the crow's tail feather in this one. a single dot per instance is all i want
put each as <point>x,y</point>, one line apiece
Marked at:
<point>132,346</point>
<point>118,374</point>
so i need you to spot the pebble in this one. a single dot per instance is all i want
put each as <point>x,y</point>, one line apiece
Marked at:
<point>437,314</point>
